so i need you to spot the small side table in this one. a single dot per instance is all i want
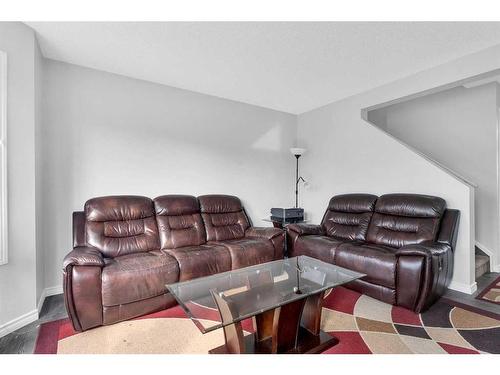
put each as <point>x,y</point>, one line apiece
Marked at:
<point>282,224</point>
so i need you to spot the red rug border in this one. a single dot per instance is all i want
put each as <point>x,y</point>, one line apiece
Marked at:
<point>486,290</point>
<point>46,346</point>
<point>42,344</point>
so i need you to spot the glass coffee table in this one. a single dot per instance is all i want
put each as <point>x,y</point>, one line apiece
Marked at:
<point>284,299</point>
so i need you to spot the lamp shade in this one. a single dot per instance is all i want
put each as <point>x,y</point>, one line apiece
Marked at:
<point>297,151</point>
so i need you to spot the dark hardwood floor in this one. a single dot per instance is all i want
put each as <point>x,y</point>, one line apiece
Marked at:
<point>470,299</point>
<point>23,340</point>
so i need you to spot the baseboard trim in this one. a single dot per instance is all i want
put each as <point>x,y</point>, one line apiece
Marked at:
<point>47,292</point>
<point>31,316</point>
<point>18,322</point>
<point>464,288</point>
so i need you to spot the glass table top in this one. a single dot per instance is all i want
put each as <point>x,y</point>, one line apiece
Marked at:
<point>249,291</point>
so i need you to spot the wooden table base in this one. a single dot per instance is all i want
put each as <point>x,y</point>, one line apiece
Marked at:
<point>307,344</point>
<point>290,328</point>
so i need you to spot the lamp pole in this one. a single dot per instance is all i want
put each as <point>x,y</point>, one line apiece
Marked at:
<point>297,152</point>
<point>297,179</point>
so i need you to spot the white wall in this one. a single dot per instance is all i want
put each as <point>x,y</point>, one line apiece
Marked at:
<point>18,277</point>
<point>347,154</point>
<point>107,134</point>
<point>457,128</point>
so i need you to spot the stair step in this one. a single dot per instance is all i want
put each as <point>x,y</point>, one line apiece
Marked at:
<point>482,265</point>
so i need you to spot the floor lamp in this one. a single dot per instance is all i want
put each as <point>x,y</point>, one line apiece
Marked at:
<point>297,152</point>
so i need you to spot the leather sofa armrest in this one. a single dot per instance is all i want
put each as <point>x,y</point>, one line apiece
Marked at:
<point>263,232</point>
<point>424,273</point>
<point>426,249</point>
<point>84,256</point>
<point>303,229</point>
<point>274,235</point>
<point>82,269</point>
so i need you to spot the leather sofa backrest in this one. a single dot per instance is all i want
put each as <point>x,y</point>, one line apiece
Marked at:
<point>448,232</point>
<point>119,225</point>
<point>405,219</point>
<point>79,237</point>
<point>179,221</point>
<point>223,216</point>
<point>348,216</point>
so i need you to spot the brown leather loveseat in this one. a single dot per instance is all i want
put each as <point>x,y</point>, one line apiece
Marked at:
<point>127,248</point>
<point>402,242</point>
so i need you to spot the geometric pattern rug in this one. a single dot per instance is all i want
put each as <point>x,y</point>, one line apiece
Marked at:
<point>491,293</point>
<point>362,324</point>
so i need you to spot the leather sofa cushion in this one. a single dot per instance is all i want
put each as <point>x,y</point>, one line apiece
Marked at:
<point>411,205</point>
<point>223,217</point>
<point>118,313</point>
<point>248,251</point>
<point>405,219</point>
<point>377,262</point>
<point>316,246</point>
<point>120,225</point>
<point>118,208</point>
<point>176,205</point>
<point>218,204</point>
<point>354,203</point>
<point>179,221</point>
<point>348,216</point>
<point>135,277</point>
<point>382,293</point>
<point>398,231</point>
<point>198,261</point>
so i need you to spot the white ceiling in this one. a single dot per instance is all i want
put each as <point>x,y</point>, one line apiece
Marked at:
<point>292,67</point>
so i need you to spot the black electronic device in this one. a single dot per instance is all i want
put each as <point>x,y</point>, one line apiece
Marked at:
<point>290,215</point>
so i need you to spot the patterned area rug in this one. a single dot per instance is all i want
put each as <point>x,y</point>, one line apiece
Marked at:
<point>362,324</point>
<point>491,293</point>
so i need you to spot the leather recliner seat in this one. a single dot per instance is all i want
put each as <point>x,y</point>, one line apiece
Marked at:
<point>127,248</point>
<point>402,242</point>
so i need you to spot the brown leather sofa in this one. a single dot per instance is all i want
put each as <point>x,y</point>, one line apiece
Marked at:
<point>402,242</point>
<point>127,248</point>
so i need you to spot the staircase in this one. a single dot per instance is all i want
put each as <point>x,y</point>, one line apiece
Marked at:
<point>450,116</point>
<point>482,263</point>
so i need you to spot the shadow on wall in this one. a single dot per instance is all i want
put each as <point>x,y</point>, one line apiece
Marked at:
<point>107,134</point>
<point>272,140</point>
